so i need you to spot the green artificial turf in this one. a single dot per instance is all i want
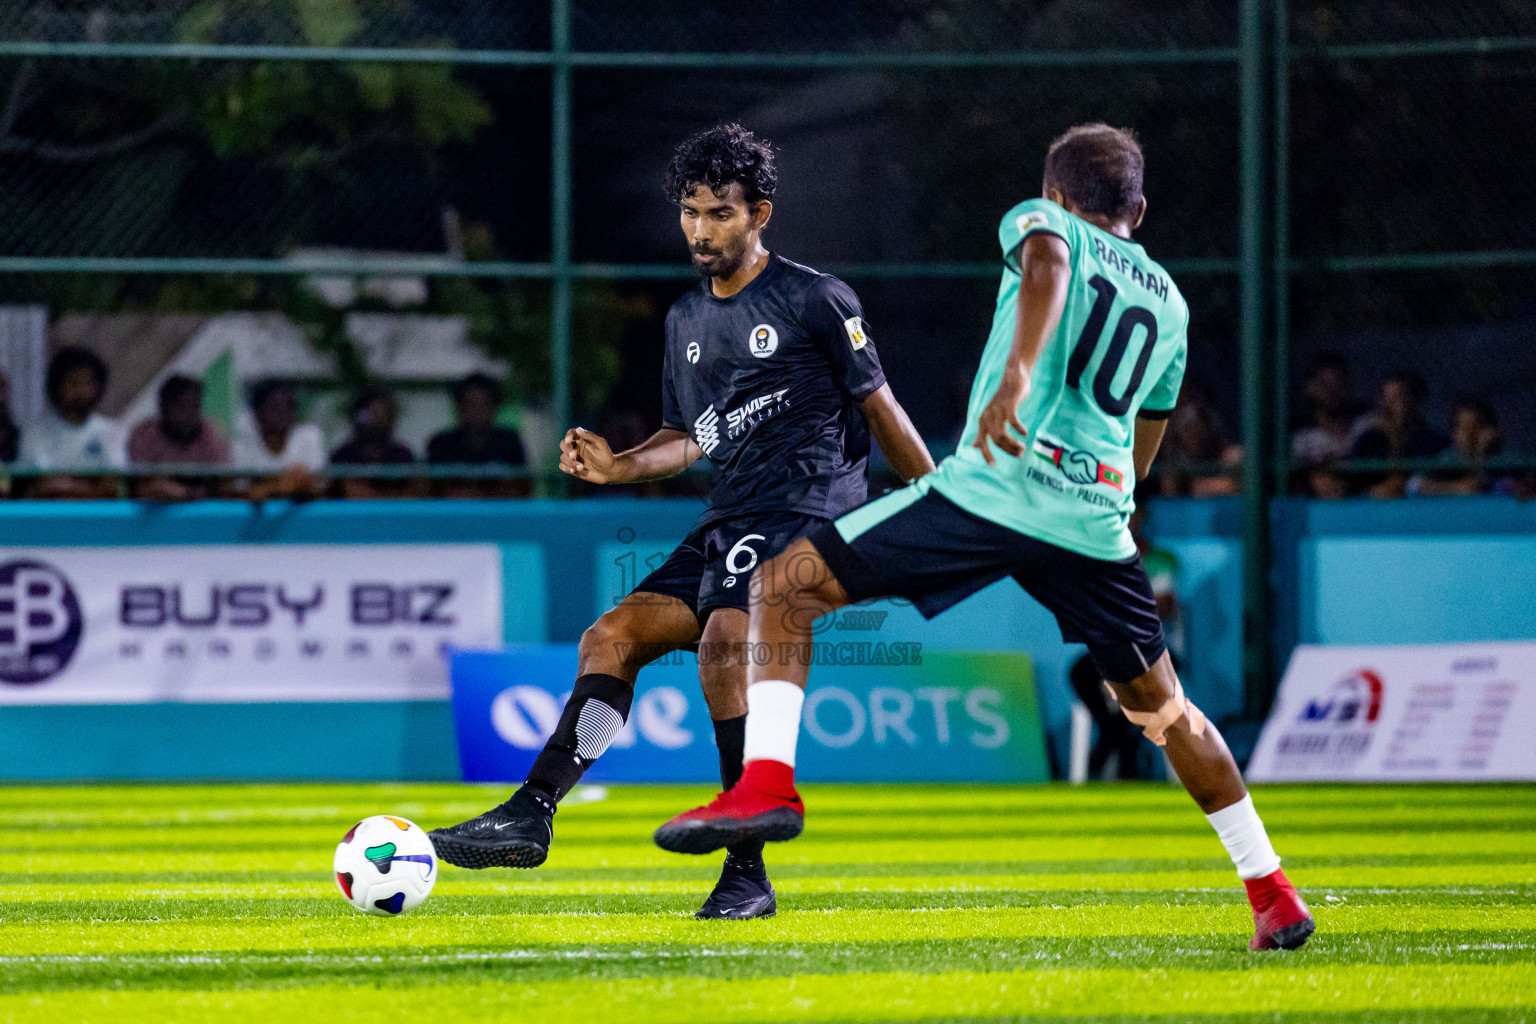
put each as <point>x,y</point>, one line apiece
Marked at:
<point>900,903</point>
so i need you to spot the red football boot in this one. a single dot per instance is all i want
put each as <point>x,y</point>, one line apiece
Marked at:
<point>1281,920</point>
<point>762,806</point>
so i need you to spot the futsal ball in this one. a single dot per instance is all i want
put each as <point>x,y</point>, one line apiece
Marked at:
<point>385,865</point>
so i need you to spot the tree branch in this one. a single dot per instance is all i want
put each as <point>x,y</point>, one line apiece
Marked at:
<point>96,151</point>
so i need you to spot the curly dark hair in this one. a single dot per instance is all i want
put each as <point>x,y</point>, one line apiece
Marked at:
<point>719,156</point>
<point>69,358</point>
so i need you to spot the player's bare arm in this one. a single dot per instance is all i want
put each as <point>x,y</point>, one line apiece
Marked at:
<point>894,432</point>
<point>1149,438</point>
<point>1045,271</point>
<point>588,457</point>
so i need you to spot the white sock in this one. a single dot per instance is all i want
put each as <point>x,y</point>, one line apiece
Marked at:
<point>1242,833</point>
<point>773,721</point>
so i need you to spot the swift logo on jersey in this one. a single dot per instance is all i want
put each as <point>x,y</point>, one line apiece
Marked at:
<point>1078,466</point>
<point>706,430</point>
<point>738,421</point>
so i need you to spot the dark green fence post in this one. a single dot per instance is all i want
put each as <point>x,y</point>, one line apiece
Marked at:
<point>1280,271</point>
<point>560,212</point>
<point>1253,284</point>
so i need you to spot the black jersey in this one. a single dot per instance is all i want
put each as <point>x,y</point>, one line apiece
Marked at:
<point>766,383</point>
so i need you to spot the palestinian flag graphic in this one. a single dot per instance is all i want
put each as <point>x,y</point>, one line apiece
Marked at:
<point>1049,451</point>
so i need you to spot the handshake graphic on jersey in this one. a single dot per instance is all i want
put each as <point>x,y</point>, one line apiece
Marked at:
<point>1078,466</point>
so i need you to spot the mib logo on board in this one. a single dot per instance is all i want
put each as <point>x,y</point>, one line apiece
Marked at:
<point>1337,728</point>
<point>40,622</point>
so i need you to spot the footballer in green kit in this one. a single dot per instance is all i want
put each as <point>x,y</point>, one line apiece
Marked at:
<point>1080,372</point>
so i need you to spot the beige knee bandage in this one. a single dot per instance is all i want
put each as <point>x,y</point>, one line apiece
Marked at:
<point>1155,723</point>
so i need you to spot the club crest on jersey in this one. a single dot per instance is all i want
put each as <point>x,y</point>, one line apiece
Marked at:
<point>856,336</point>
<point>1078,466</point>
<point>763,341</point>
<point>693,352</point>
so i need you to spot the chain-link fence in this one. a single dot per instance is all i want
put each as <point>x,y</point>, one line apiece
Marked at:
<point>1322,175</point>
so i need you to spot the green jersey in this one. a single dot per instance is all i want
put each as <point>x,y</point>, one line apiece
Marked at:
<point>1118,352</point>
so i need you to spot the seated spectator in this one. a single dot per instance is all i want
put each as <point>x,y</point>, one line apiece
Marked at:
<point>1475,436</point>
<point>10,437</point>
<point>373,444</point>
<point>293,453</point>
<point>478,441</point>
<point>179,435</point>
<point>1333,425</point>
<point>1400,432</point>
<point>1197,459</point>
<point>72,435</point>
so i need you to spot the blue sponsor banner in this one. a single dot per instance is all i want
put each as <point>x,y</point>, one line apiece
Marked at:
<point>921,716</point>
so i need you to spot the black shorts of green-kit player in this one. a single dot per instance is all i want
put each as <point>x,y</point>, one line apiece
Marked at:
<point>935,554</point>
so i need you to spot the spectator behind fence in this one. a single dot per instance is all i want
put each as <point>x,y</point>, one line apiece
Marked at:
<point>1198,460</point>
<point>373,444</point>
<point>179,435</point>
<point>1475,435</point>
<point>71,434</point>
<point>1334,424</point>
<point>1400,432</point>
<point>292,453</point>
<point>478,441</point>
<point>10,437</point>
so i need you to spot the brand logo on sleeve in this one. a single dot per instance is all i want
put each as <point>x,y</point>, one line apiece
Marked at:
<point>763,341</point>
<point>693,352</point>
<point>1029,221</point>
<point>856,336</point>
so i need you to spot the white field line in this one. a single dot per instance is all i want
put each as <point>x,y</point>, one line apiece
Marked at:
<point>491,956</point>
<point>467,956</point>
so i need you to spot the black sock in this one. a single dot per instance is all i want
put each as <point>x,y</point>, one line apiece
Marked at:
<point>731,738</point>
<point>597,710</point>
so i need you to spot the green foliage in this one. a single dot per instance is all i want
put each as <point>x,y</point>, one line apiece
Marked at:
<point>304,113</point>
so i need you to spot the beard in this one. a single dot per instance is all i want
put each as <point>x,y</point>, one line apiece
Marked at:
<point>724,264</point>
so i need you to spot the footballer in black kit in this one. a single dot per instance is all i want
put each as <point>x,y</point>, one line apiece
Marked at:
<point>766,383</point>
<point>771,374</point>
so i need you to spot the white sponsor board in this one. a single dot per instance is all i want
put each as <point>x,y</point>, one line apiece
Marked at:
<point>233,623</point>
<point>1444,712</point>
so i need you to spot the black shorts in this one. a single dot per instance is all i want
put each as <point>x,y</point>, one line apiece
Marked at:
<point>712,568</point>
<point>935,554</point>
